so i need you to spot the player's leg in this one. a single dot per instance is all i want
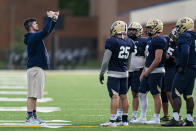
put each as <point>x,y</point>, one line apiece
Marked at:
<point>188,96</point>
<point>113,86</point>
<point>169,78</point>
<point>120,108</point>
<point>164,101</point>
<point>119,112</point>
<point>135,83</point>
<point>179,84</point>
<point>154,82</point>
<point>125,107</point>
<point>143,90</point>
<point>164,106</point>
<point>125,103</point>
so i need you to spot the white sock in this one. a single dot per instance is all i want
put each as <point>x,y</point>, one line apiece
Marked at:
<point>157,116</point>
<point>125,114</point>
<point>113,117</point>
<point>134,113</point>
<point>119,112</point>
<point>176,116</point>
<point>189,117</point>
<point>144,104</point>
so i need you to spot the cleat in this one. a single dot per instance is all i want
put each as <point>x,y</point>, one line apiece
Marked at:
<point>31,121</point>
<point>123,124</point>
<point>180,119</point>
<point>172,122</point>
<point>39,120</point>
<point>165,118</point>
<point>110,124</point>
<point>133,118</point>
<point>187,123</point>
<point>153,121</point>
<point>119,119</point>
<point>140,120</point>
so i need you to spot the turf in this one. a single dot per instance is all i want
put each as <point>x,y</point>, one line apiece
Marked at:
<point>83,101</point>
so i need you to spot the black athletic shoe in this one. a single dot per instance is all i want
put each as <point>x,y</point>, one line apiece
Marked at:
<point>165,118</point>
<point>172,122</point>
<point>118,119</point>
<point>187,123</point>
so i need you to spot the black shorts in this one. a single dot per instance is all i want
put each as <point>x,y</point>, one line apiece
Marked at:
<point>134,80</point>
<point>184,83</point>
<point>168,79</point>
<point>117,85</point>
<point>151,83</point>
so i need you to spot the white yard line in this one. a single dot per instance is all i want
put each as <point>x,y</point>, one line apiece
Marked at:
<point>39,109</point>
<point>15,93</point>
<point>48,124</point>
<point>23,124</point>
<point>12,87</point>
<point>14,121</point>
<point>24,99</point>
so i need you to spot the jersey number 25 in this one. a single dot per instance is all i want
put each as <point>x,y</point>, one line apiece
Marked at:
<point>124,52</point>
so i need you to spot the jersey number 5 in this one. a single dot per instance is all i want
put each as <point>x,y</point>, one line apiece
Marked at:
<point>170,51</point>
<point>124,52</point>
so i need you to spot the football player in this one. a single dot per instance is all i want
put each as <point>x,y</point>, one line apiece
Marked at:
<point>186,71</point>
<point>170,70</point>
<point>137,62</point>
<point>153,72</point>
<point>116,57</point>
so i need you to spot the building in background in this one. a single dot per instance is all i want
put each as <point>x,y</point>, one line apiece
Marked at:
<point>89,33</point>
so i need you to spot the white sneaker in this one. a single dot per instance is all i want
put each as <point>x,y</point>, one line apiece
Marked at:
<point>123,124</point>
<point>153,121</point>
<point>133,118</point>
<point>140,120</point>
<point>31,121</point>
<point>111,124</point>
<point>39,120</point>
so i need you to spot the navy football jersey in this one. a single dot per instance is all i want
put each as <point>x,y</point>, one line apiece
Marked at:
<point>187,50</point>
<point>158,42</point>
<point>121,49</point>
<point>171,51</point>
<point>140,46</point>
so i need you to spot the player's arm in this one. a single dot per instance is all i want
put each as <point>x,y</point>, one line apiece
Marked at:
<point>183,42</point>
<point>184,56</point>
<point>156,61</point>
<point>104,65</point>
<point>142,74</point>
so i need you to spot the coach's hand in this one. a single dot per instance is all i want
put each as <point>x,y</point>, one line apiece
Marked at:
<point>50,14</point>
<point>101,78</point>
<point>56,15</point>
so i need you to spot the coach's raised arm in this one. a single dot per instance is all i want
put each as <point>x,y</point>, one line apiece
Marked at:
<point>49,26</point>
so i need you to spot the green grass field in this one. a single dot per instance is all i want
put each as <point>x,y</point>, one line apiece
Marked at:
<point>82,99</point>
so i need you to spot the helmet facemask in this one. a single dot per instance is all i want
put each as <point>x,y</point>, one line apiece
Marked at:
<point>132,33</point>
<point>149,31</point>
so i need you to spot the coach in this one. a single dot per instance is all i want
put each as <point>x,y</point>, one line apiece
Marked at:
<point>38,61</point>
